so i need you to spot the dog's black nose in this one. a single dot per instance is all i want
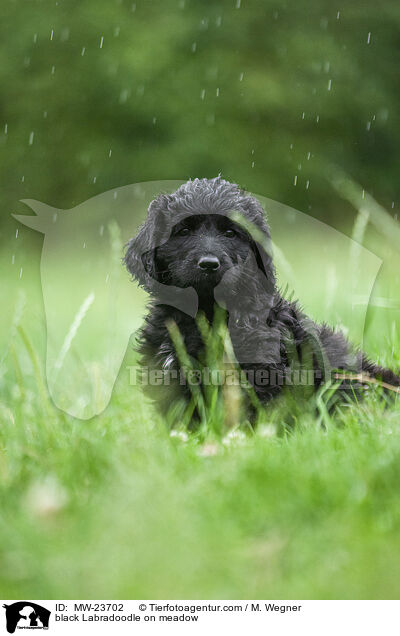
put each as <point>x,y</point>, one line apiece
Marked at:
<point>209,262</point>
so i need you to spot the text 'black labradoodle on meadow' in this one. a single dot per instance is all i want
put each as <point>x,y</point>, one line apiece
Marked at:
<point>208,244</point>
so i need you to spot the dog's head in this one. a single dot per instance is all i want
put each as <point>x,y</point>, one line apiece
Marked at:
<point>208,233</point>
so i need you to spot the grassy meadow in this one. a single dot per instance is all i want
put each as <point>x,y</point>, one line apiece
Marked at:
<point>119,506</point>
<point>275,96</point>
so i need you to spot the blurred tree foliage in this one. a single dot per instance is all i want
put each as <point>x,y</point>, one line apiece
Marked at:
<point>100,93</point>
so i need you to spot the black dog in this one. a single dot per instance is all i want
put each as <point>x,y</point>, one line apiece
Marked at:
<point>209,243</point>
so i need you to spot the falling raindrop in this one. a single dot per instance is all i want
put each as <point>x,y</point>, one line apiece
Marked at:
<point>22,178</point>
<point>329,85</point>
<point>363,194</point>
<point>238,4</point>
<point>83,51</point>
<point>217,92</point>
<point>194,47</point>
<point>110,152</point>
<point>16,233</point>
<point>303,115</point>
<point>241,76</point>
<point>317,119</point>
<point>101,41</point>
<point>308,156</point>
<point>295,180</point>
<point>338,15</point>
<point>253,164</point>
<point>369,38</point>
<point>5,129</point>
<point>94,179</point>
<point>53,68</point>
<point>154,120</point>
<point>31,136</point>
<point>20,273</point>
<point>35,38</point>
<point>203,94</point>
<point>307,186</point>
<point>368,126</point>
<point>55,217</point>
<point>51,34</point>
<point>13,259</point>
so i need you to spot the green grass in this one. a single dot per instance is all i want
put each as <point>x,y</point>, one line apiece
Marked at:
<point>117,507</point>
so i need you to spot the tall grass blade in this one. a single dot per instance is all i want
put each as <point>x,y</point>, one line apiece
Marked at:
<point>81,313</point>
<point>367,206</point>
<point>36,369</point>
<point>187,367</point>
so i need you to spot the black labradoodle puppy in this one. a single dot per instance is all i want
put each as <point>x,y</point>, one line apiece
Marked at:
<point>209,244</point>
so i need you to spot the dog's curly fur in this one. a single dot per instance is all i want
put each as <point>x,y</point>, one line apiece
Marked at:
<point>192,242</point>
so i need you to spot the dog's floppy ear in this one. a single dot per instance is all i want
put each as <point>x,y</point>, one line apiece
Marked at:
<point>139,261</point>
<point>140,251</point>
<point>263,258</point>
<point>260,243</point>
<point>263,255</point>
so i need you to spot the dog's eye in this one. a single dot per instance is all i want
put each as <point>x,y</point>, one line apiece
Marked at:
<point>183,231</point>
<point>229,233</point>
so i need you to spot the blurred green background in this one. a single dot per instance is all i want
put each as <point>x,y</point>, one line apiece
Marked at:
<point>98,94</point>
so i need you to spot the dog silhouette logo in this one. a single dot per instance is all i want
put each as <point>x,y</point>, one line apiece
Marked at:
<point>26,615</point>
